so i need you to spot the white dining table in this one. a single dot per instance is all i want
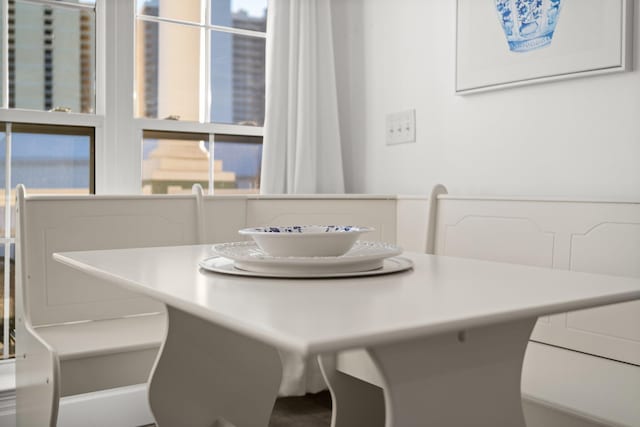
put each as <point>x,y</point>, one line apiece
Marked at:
<point>447,337</point>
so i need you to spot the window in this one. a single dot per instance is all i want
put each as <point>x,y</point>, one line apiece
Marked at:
<point>47,66</point>
<point>47,159</point>
<point>173,162</point>
<point>178,100</point>
<point>241,156</point>
<point>201,62</point>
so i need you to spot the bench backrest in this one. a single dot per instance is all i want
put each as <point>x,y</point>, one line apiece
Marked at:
<point>224,216</point>
<point>593,237</point>
<point>55,294</point>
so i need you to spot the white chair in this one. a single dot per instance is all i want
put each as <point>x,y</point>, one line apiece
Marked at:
<point>76,334</point>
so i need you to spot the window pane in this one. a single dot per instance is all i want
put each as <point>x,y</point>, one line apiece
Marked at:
<point>240,156</point>
<point>7,262</point>
<point>168,77</point>
<point>50,160</point>
<point>7,344</point>
<point>237,79</point>
<point>51,58</point>
<point>184,10</point>
<point>3,183</point>
<point>3,158</point>
<point>47,159</point>
<point>245,14</point>
<point>2,76</point>
<point>172,163</point>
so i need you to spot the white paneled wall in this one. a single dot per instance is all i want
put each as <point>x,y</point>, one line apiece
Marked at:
<point>580,236</point>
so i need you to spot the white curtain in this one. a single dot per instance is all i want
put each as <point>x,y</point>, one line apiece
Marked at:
<point>302,150</point>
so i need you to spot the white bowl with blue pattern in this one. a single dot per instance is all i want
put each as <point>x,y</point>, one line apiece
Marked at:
<point>305,240</point>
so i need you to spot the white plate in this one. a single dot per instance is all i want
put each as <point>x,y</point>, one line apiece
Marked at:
<point>225,265</point>
<point>363,256</point>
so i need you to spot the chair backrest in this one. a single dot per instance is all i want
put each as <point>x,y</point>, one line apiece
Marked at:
<point>54,294</point>
<point>432,217</point>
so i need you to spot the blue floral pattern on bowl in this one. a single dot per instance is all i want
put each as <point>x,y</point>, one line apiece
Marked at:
<point>305,240</point>
<point>306,229</point>
<point>528,24</point>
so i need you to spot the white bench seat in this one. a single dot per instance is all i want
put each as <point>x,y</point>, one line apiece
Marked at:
<point>104,354</point>
<point>98,337</point>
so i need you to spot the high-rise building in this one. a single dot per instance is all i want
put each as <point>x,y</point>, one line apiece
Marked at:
<point>248,70</point>
<point>51,57</point>
<point>147,71</point>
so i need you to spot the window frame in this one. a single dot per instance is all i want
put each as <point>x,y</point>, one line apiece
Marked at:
<point>57,129</point>
<point>118,133</point>
<point>212,139</point>
<point>121,125</point>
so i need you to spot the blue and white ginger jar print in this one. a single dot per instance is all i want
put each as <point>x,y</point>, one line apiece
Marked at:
<point>528,24</point>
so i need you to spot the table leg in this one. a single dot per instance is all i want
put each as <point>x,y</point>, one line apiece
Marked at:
<point>356,403</point>
<point>469,378</point>
<point>208,376</point>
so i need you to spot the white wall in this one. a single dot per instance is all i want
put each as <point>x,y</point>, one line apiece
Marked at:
<point>578,138</point>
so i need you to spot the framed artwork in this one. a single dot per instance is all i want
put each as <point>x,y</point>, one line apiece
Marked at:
<point>504,43</point>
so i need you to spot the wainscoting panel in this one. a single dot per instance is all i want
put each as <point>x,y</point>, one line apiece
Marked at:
<point>592,237</point>
<point>58,294</point>
<point>612,331</point>
<point>494,238</point>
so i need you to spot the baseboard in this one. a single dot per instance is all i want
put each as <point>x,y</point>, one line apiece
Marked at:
<point>119,407</point>
<point>7,393</point>
<point>543,414</point>
<point>8,409</point>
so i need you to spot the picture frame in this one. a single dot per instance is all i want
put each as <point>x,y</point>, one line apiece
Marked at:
<point>509,43</point>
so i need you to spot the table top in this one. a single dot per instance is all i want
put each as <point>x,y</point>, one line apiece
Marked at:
<point>310,316</point>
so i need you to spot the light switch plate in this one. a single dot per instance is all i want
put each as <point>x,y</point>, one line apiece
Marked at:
<point>401,127</point>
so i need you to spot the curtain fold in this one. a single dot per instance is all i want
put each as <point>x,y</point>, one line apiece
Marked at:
<point>302,149</point>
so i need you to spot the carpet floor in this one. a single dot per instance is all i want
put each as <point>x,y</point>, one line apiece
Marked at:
<point>311,410</point>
